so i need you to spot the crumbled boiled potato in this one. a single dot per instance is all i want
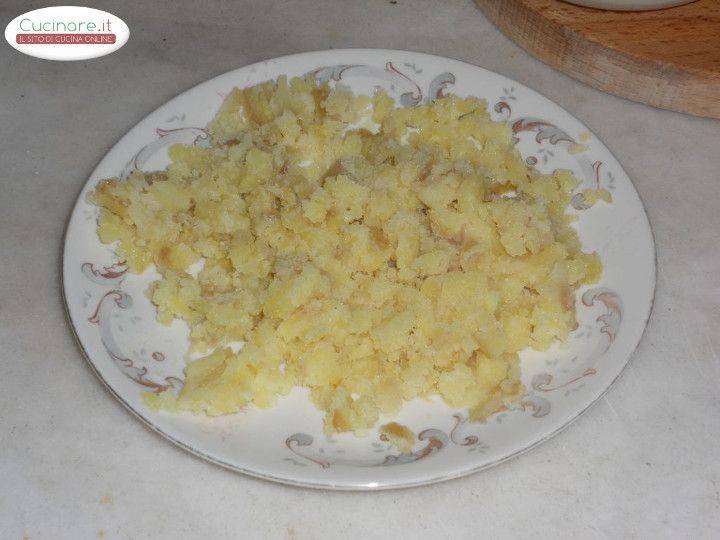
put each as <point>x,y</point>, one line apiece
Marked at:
<point>400,436</point>
<point>591,196</point>
<point>372,268</point>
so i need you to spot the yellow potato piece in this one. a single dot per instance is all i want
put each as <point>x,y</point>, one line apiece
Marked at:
<point>400,436</point>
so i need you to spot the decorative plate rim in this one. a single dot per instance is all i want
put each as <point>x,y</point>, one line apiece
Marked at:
<point>351,486</point>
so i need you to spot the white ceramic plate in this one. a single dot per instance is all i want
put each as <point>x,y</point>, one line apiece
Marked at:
<point>131,353</point>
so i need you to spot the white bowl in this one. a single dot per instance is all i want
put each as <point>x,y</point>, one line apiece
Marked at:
<point>630,5</point>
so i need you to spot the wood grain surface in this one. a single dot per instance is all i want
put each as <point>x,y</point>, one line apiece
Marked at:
<point>668,58</point>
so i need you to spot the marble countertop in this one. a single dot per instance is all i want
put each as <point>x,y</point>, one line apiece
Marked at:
<point>74,464</point>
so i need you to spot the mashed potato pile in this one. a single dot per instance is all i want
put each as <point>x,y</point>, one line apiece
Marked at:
<point>373,254</point>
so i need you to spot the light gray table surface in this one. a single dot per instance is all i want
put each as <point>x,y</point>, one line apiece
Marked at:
<point>74,464</point>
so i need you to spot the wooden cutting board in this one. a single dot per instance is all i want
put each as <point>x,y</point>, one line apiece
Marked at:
<point>668,58</point>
